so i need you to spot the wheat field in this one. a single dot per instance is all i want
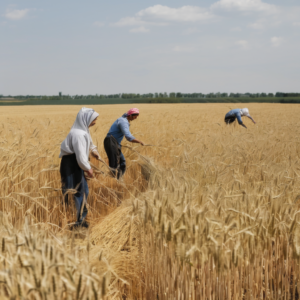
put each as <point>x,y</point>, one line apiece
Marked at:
<point>205,210</point>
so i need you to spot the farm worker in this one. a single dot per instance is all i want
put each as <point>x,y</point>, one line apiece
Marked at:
<point>237,114</point>
<point>112,142</point>
<point>75,150</point>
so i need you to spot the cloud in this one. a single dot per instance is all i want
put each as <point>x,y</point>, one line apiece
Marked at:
<point>16,14</point>
<point>161,15</point>
<point>182,14</point>
<point>245,6</point>
<point>140,29</point>
<point>276,41</point>
<point>296,23</point>
<point>99,24</point>
<point>184,49</point>
<point>243,44</point>
<point>258,25</point>
<point>130,21</point>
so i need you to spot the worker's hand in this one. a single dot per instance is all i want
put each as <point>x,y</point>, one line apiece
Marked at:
<point>137,141</point>
<point>96,154</point>
<point>89,173</point>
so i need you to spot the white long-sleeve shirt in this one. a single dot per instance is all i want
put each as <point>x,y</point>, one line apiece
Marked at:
<point>79,141</point>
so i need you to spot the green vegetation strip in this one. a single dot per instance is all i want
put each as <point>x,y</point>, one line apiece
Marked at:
<point>88,101</point>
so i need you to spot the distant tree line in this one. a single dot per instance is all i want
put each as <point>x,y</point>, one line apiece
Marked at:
<point>172,95</point>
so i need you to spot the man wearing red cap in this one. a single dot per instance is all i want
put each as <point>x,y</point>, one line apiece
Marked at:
<point>112,142</point>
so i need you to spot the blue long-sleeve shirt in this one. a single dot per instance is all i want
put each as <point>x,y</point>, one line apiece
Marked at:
<point>235,113</point>
<point>119,129</point>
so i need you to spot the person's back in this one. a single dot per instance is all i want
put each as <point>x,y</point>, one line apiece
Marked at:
<point>77,141</point>
<point>119,129</point>
<point>234,113</point>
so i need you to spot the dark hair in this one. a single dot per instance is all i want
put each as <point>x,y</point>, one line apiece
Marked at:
<point>133,115</point>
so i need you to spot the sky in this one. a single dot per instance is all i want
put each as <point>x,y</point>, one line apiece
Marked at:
<point>133,46</point>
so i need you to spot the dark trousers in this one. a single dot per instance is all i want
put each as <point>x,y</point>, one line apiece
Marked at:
<point>230,120</point>
<point>72,177</point>
<point>115,156</point>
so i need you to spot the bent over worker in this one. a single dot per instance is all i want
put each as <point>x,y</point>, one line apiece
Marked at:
<point>75,150</point>
<point>112,142</point>
<point>238,114</point>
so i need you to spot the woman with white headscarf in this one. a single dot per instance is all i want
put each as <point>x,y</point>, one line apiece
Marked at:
<point>238,113</point>
<point>75,150</point>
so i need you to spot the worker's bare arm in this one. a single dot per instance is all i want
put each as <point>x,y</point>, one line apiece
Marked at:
<point>137,141</point>
<point>252,120</point>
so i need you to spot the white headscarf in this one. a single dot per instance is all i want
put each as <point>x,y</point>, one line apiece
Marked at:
<point>245,112</point>
<point>84,119</point>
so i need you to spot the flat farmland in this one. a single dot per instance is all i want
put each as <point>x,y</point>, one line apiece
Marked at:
<point>205,210</point>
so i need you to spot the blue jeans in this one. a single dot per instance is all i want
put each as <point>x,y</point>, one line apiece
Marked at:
<point>122,163</point>
<point>72,177</point>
